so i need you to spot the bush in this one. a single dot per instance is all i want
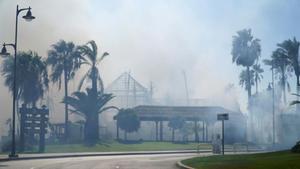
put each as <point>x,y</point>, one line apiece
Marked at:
<point>296,148</point>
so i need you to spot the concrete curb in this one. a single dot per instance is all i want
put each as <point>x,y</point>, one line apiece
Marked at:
<point>98,154</point>
<point>182,166</point>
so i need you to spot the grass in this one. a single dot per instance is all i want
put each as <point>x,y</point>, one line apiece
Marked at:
<point>115,146</point>
<point>274,160</point>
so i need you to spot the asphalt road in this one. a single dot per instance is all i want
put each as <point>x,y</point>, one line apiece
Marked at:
<point>160,161</point>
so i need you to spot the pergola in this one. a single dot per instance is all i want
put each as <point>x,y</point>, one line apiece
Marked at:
<point>205,114</point>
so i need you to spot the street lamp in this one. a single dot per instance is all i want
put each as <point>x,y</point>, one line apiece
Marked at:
<point>27,17</point>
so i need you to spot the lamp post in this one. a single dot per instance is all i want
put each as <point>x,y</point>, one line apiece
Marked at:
<point>27,17</point>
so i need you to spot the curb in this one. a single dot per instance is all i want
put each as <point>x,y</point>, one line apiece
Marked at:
<point>182,166</point>
<point>98,154</point>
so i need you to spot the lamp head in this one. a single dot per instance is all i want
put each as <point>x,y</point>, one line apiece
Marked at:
<point>4,51</point>
<point>28,17</point>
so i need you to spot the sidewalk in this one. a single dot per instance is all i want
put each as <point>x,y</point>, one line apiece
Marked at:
<point>87,154</point>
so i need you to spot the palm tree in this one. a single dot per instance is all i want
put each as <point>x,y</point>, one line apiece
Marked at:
<point>281,63</point>
<point>257,73</point>
<point>291,49</point>
<point>244,79</point>
<point>32,76</point>
<point>245,52</point>
<point>128,121</point>
<point>176,123</point>
<point>90,53</point>
<point>89,106</point>
<point>64,60</point>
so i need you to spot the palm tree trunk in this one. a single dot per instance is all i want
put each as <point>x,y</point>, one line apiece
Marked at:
<point>283,85</point>
<point>298,88</point>
<point>249,83</point>
<point>256,85</point>
<point>94,80</point>
<point>66,104</point>
<point>91,133</point>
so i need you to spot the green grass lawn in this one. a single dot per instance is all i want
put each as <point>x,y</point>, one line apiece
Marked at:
<point>275,160</point>
<point>115,146</point>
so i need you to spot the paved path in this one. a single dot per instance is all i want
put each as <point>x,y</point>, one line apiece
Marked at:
<point>158,161</point>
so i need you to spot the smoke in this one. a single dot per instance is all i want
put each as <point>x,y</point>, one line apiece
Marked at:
<point>155,40</point>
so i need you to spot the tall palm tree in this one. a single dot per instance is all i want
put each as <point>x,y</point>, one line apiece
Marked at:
<point>245,52</point>
<point>89,106</point>
<point>90,56</point>
<point>291,48</point>
<point>244,79</point>
<point>257,73</point>
<point>64,60</point>
<point>32,75</point>
<point>282,65</point>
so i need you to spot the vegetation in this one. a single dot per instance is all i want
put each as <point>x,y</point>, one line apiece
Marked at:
<point>89,106</point>
<point>176,123</point>
<point>245,52</point>
<point>64,60</point>
<point>90,58</point>
<point>31,73</point>
<point>128,121</point>
<point>274,160</point>
<point>282,65</point>
<point>257,73</point>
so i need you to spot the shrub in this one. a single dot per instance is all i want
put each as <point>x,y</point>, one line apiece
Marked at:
<point>296,148</point>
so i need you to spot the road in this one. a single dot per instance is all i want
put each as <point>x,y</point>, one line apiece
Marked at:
<point>159,161</point>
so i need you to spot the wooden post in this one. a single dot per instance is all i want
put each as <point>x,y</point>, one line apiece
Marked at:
<point>22,130</point>
<point>43,113</point>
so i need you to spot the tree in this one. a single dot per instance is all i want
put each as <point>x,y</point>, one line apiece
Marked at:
<point>257,73</point>
<point>128,121</point>
<point>244,79</point>
<point>90,56</point>
<point>282,65</point>
<point>32,76</point>
<point>176,123</point>
<point>64,60</point>
<point>245,52</point>
<point>89,106</point>
<point>291,49</point>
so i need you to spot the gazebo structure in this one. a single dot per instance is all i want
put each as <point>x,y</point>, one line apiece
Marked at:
<point>207,115</point>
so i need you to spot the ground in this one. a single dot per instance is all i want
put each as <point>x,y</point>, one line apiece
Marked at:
<point>161,161</point>
<point>273,160</point>
<point>115,146</point>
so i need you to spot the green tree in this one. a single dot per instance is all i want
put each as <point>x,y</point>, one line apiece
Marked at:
<point>244,79</point>
<point>245,52</point>
<point>32,76</point>
<point>90,56</point>
<point>257,73</point>
<point>176,123</point>
<point>64,60</point>
<point>282,65</point>
<point>290,48</point>
<point>89,106</point>
<point>128,121</point>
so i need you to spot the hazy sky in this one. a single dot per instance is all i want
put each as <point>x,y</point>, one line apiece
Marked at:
<point>155,39</point>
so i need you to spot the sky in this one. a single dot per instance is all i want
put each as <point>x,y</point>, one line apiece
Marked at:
<point>155,40</point>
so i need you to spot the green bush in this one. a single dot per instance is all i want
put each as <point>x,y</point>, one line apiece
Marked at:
<point>296,148</point>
